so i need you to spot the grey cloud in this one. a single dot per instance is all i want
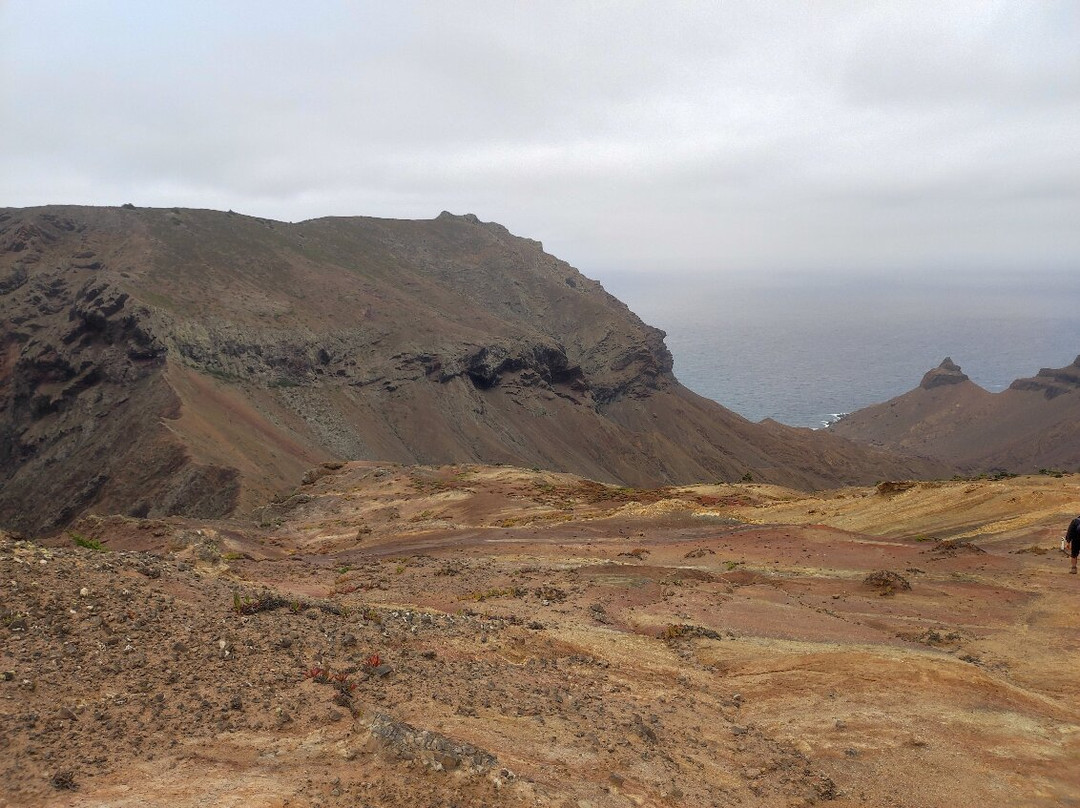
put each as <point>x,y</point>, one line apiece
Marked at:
<point>995,54</point>
<point>744,135</point>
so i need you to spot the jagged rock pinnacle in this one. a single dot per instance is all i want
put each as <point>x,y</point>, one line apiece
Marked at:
<point>948,372</point>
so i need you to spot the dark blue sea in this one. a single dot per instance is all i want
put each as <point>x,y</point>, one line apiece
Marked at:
<point>802,350</point>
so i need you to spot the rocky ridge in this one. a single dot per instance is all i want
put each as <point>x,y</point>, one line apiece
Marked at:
<point>1052,382</point>
<point>1033,425</point>
<point>173,361</point>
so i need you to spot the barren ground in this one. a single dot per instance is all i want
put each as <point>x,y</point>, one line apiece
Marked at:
<point>473,636</point>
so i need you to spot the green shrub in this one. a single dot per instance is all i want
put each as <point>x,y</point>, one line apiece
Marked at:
<point>90,544</point>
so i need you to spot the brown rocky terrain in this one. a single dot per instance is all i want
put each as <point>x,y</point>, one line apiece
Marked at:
<point>159,362</point>
<point>474,635</point>
<point>1031,426</point>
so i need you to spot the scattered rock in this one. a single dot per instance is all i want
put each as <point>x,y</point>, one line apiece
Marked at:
<point>183,669</point>
<point>552,594</point>
<point>678,631</point>
<point>435,750</point>
<point>890,487</point>
<point>887,582</point>
<point>63,780</point>
<point>954,547</point>
<point>644,730</point>
<point>1033,549</point>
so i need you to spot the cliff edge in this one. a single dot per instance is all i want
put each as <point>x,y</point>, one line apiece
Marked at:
<point>194,362</point>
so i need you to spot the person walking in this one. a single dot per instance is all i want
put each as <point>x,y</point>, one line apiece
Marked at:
<point>1072,542</point>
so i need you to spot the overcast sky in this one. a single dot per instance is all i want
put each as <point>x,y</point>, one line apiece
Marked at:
<point>710,137</point>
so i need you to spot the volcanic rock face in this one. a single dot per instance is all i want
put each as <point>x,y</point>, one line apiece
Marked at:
<point>81,392</point>
<point>948,372</point>
<point>1052,382</point>
<point>1033,425</point>
<point>191,362</point>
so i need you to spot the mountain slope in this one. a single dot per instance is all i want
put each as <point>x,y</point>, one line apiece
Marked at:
<point>1034,424</point>
<point>160,361</point>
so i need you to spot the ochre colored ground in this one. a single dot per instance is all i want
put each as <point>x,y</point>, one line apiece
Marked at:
<point>543,640</point>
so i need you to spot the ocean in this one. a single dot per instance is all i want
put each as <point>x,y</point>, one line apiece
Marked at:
<point>803,350</point>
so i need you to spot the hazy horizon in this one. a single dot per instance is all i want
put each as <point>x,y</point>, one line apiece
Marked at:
<point>765,137</point>
<point>802,349</point>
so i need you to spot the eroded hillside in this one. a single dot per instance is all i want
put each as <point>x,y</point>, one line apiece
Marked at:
<point>159,362</point>
<point>391,635</point>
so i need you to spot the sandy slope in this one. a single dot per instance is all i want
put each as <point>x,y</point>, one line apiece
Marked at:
<point>542,640</point>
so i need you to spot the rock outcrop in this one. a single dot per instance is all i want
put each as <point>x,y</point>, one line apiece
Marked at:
<point>169,361</point>
<point>1031,426</point>
<point>83,406</point>
<point>948,372</point>
<point>1052,382</point>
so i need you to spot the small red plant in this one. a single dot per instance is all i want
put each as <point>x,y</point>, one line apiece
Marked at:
<point>374,661</point>
<point>340,681</point>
